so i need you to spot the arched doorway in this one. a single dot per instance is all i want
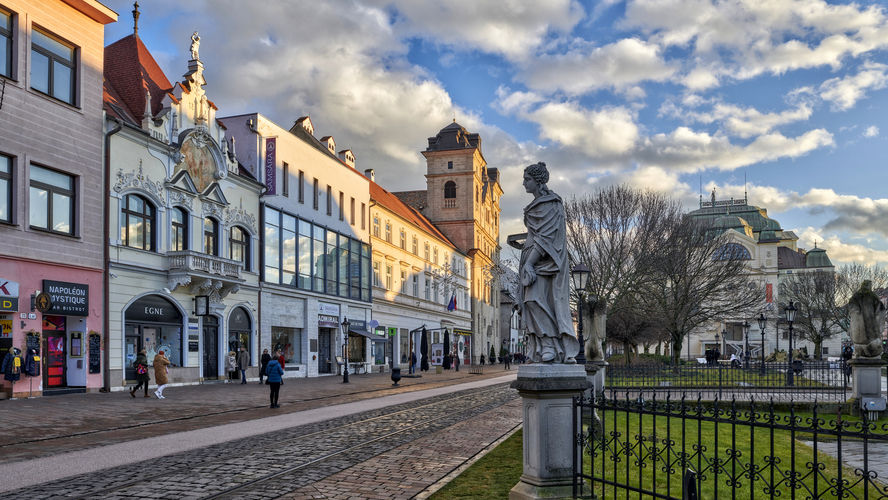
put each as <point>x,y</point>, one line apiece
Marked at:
<point>152,323</point>
<point>210,341</point>
<point>240,331</point>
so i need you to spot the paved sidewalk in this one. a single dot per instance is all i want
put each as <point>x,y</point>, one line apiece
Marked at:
<point>51,425</point>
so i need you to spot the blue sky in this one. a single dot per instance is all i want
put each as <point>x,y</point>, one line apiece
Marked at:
<point>659,94</point>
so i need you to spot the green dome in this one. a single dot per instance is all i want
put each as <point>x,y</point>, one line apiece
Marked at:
<point>817,258</point>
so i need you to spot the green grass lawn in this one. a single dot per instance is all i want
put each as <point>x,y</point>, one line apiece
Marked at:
<point>713,377</point>
<point>497,472</point>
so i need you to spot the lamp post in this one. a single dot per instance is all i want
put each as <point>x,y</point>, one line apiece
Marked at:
<point>580,275</point>
<point>762,320</point>
<point>790,312</point>
<point>717,344</point>
<point>746,341</point>
<point>721,347</point>
<point>345,325</point>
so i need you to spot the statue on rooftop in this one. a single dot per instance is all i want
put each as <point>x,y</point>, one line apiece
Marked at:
<point>195,44</point>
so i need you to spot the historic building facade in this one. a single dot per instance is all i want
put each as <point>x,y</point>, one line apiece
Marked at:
<point>316,262</point>
<point>51,234</point>
<point>420,279</point>
<point>183,223</point>
<point>462,201</point>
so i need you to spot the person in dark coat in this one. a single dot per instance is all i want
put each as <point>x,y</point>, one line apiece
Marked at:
<point>243,362</point>
<point>274,372</point>
<point>413,363</point>
<point>507,360</point>
<point>263,364</point>
<point>141,378</point>
<point>482,359</point>
<point>12,366</point>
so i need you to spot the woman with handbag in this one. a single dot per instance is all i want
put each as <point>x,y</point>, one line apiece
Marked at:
<point>142,377</point>
<point>274,372</point>
<point>161,369</point>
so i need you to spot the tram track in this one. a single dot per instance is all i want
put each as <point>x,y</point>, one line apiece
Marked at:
<point>287,460</point>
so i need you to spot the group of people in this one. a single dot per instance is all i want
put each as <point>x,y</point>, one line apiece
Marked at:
<point>270,369</point>
<point>712,356</point>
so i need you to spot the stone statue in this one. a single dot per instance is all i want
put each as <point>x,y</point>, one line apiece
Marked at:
<point>867,321</point>
<point>544,275</point>
<point>595,317</point>
<point>195,43</point>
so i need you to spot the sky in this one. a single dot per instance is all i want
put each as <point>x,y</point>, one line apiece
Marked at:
<point>782,100</point>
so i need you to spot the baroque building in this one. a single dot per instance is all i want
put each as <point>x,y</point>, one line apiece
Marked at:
<point>51,230</point>
<point>182,222</point>
<point>462,200</point>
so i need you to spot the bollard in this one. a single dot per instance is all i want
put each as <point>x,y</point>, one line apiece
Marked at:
<point>689,485</point>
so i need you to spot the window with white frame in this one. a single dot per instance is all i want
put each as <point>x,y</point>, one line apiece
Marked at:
<point>388,277</point>
<point>415,246</point>
<point>435,256</point>
<point>404,282</point>
<point>403,239</point>
<point>239,246</point>
<point>51,200</point>
<point>375,273</point>
<point>211,236</point>
<point>388,232</point>
<point>53,68</point>
<point>376,226</point>
<point>137,223</point>
<point>179,233</point>
<point>426,287</point>
<point>426,252</point>
<point>416,285</point>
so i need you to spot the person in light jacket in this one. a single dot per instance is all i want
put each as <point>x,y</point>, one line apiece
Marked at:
<point>274,372</point>
<point>243,362</point>
<point>141,378</point>
<point>161,364</point>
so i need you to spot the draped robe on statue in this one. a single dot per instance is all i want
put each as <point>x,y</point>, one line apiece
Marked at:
<point>545,303</point>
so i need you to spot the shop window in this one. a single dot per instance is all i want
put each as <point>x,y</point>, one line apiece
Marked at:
<point>6,44</point>
<point>239,246</point>
<point>179,236</point>
<point>357,351</point>
<point>137,223</point>
<point>289,342</point>
<point>5,189</point>
<point>52,66</point>
<point>240,333</point>
<point>211,236</point>
<point>52,200</point>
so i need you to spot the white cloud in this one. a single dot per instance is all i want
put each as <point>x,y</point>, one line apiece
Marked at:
<point>871,132</point>
<point>618,65</point>
<point>839,252</point>
<point>845,92</point>
<point>742,122</point>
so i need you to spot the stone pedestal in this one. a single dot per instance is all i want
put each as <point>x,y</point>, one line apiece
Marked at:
<point>595,371</point>
<point>866,374</point>
<point>549,447</point>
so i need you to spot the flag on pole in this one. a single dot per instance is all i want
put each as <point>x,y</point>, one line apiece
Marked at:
<point>451,306</point>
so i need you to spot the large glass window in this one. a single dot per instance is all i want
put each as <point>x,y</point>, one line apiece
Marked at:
<point>52,200</point>
<point>52,66</point>
<point>179,234</point>
<point>304,255</point>
<point>239,246</point>
<point>289,342</point>
<point>343,265</point>
<point>318,256</point>
<point>137,223</point>
<point>288,250</point>
<point>357,271</point>
<point>5,188</point>
<point>211,236</point>
<point>272,245</point>
<point>5,44</point>
<point>332,261</point>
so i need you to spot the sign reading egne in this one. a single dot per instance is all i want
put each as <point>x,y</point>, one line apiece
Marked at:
<point>68,299</point>
<point>9,295</point>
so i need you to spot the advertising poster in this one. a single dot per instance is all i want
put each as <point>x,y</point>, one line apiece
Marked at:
<point>437,354</point>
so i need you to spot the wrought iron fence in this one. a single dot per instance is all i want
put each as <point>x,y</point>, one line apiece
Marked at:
<point>824,381</point>
<point>681,449</point>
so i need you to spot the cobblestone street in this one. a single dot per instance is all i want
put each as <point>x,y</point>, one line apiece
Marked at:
<point>319,444</point>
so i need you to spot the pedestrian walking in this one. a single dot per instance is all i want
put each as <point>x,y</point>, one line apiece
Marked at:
<point>280,358</point>
<point>161,372</point>
<point>456,360</point>
<point>507,361</point>
<point>243,362</point>
<point>482,360</point>
<point>413,362</point>
<point>274,372</point>
<point>264,364</point>
<point>141,366</point>
<point>232,365</point>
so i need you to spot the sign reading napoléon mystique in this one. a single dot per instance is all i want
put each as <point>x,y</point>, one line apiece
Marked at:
<point>68,299</point>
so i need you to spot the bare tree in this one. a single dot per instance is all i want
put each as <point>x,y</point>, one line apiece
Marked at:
<point>629,326</point>
<point>814,295</point>
<point>699,274</point>
<point>614,232</point>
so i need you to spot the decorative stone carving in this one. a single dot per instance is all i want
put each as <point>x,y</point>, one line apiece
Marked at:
<point>177,281</point>
<point>213,209</point>
<point>180,198</point>
<point>139,181</point>
<point>195,46</point>
<point>544,288</point>
<point>228,289</point>
<point>202,287</point>
<point>867,321</point>
<point>238,215</point>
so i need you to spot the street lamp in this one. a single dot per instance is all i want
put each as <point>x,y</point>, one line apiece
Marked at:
<point>717,345</point>
<point>790,312</point>
<point>721,347</point>
<point>345,325</point>
<point>762,322</point>
<point>580,275</point>
<point>746,339</point>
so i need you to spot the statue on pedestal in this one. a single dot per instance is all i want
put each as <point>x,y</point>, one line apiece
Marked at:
<point>867,321</point>
<point>597,325</point>
<point>544,275</point>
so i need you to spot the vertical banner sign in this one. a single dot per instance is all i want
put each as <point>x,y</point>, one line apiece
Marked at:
<point>769,293</point>
<point>271,165</point>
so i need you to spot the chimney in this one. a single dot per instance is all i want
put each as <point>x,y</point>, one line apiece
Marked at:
<point>370,174</point>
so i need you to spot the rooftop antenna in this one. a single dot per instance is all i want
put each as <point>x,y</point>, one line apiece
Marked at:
<point>745,198</point>
<point>136,19</point>
<point>454,116</point>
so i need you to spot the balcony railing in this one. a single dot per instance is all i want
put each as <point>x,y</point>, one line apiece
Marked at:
<point>450,203</point>
<point>191,261</point>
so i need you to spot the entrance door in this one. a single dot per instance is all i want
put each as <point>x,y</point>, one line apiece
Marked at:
<point>210,348</point>
<point>132,346</point>
<point>54,375</point>
<point>325,359</point>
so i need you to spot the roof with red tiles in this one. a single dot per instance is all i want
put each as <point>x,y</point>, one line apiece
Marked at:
<point>393,203</point>
<point>132,72</point>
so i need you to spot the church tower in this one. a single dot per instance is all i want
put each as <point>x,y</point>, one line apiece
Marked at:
<point>462,200</point>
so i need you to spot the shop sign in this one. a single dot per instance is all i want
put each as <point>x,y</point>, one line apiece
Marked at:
<point>392,330</point>
<point>67,299</point>
<point>357,325</point>
<point>328,309</point>
<point>153,308</point>
<point>5,328</point>
<point>9,295</point>
<point>461,331</point>
<point>325,321</point>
